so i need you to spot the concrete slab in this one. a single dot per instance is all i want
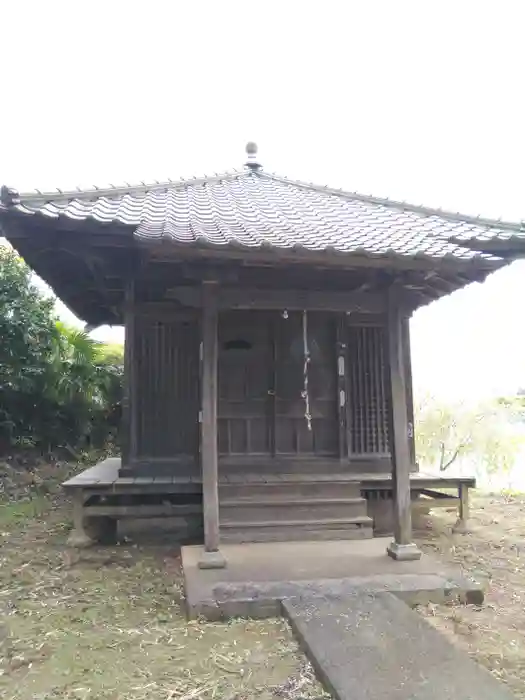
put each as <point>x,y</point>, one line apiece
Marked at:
<point>366,647</point>
<point>258,577</point>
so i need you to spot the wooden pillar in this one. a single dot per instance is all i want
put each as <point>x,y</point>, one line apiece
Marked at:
<point>342,393</point>
<point>402,547</point>
<point>211,557</point>
<point>128,439</point>
<point>409,391</point>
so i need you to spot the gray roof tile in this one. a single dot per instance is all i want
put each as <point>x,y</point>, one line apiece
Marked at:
<point>255,209</point>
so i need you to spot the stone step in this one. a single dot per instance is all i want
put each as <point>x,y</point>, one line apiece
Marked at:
<point>279,509</point>
<point>293,530</point>
<point>367,646</point>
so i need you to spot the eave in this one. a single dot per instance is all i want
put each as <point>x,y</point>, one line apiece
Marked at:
<point>86,244</point>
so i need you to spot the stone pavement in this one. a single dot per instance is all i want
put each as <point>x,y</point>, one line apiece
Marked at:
<point>374,647</point>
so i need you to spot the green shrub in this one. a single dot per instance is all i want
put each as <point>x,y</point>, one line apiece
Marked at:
<point>58,387</point>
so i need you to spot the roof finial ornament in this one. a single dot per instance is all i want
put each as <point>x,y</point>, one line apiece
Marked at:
<point>251,152</point>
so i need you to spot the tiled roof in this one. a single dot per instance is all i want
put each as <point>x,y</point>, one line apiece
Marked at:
<point>256,209</point>
<point>491,234</point>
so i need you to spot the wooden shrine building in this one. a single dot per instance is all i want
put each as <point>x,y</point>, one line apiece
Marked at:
<point>267,352</point>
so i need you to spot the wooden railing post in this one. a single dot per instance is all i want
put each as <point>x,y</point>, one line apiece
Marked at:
<point>402,547</point>
<point>211,557</point>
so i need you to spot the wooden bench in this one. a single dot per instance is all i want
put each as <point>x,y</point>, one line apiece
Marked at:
<point>101,498</point>
<point>428,499</point>
<point>427,492</point>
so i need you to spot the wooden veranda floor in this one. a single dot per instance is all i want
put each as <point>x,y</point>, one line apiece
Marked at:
<point>104,476</point>
<point>258,506</point>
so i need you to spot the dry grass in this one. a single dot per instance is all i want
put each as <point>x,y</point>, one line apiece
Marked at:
<point>494,554</point>
<point>108,623</point>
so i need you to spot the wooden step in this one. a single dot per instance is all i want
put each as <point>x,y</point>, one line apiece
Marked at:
<point>281,500</point>
<point>290,530</point>
<point>290,489</point>
<point>278,509</point>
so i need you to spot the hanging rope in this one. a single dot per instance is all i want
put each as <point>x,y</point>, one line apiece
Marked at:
<point>306,353</point>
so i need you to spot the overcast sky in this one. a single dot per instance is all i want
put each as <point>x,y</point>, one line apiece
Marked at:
<point>420,101</point>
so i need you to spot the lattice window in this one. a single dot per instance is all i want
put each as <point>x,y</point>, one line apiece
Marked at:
<point>368,401</point>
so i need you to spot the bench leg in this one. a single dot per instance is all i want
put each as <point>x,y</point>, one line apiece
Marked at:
<point>461,526</point>
<point>101,528</point>
<point>78,537</point>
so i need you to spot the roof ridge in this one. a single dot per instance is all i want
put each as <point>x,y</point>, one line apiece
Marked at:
<point>10,196</point>
<point>395,204</point>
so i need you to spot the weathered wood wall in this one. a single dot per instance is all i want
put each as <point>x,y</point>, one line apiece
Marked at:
<point>261,410</point>
<point>166,399</point>
<point>245,380</point>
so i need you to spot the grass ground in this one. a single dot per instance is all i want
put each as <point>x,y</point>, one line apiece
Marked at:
<point>108,623</point>
<point>494,554</point>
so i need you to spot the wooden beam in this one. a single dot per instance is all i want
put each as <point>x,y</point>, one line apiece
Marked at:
<point>444,284</point>
<point>145,510</point>
<point>374,320</point>
<point>211,557</point>
<point>278,299</point>
<point>402,548</point>
<point>234,273</point>
<point>42,231</point>
<point>169,251</point>
<point>164,309</point>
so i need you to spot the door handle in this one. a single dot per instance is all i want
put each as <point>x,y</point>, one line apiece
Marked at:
<point>271,392</point>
